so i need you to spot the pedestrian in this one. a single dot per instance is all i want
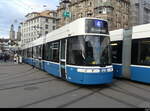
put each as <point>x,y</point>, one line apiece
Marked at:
<point>20,59</point>
<point>5,58</point>
<point>15,58</point>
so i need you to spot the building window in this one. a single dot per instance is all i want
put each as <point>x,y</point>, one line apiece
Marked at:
<point>46,19</point>
<point>46,26</point>
<point>46,32</point>
<point>54,27</point>
<point>54,21</point>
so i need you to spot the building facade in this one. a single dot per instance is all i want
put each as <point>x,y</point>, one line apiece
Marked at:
<point>116,12</point>
<point>4,46</point>
<point>140,12</point>
<point>37,24</point>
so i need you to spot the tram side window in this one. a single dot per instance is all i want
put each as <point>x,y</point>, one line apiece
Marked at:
<point>29,52</point>
<point>34,52</point>
<point>141,52</point>
<point>39,51</point>
<point>116,52</point>
<point>25,53</point>
<point>53,51</point>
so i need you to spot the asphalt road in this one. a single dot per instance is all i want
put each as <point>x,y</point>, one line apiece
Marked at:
<point>24,87</point>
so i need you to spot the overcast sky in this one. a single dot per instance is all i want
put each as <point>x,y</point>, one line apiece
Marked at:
<point>14,11</point>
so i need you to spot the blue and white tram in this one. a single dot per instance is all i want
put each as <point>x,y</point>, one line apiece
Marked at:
<point>78,52</point>
<point>131,53</point>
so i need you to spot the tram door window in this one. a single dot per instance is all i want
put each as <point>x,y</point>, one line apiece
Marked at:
<point>63,59</point>
<point>141,52</point>
<point>116,52</point>
<point>44,52</point>
<point>55,52</point>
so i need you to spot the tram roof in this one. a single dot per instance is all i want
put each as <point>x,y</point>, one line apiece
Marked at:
<point>141,31</point>
<point>138,32</point>
<point>69,30</point>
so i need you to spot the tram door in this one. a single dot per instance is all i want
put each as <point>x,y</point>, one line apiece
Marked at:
<point>63,59</point>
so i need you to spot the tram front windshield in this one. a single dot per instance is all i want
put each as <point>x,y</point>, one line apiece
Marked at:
<point>89,51</point>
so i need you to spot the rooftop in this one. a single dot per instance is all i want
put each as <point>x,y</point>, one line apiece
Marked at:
<point>46,13</point>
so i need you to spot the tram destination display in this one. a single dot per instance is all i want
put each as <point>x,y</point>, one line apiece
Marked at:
<point>96,26</point>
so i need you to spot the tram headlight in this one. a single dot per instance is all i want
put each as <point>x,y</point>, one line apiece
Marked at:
<point>95,70</point>
<point>88,70</point>
<point>81,70</point>
<point>110,70</point>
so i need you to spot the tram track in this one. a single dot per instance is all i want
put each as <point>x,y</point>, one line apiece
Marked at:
<point>10,65</point>
<point>20,72</point>
<point>62,94</point>
<point>17,75</point>
<point>50,97</point>
<point>126,92</point>
<point>134,84</point>
<point>75,100</point>
<point>18,82</point>
<point>116,88</point>
<point>117,100</point>
<point>78,99</point>
<point>27,84</point>
<point>92,93</point>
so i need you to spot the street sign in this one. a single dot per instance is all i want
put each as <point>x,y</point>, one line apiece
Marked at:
<point>67,14</point>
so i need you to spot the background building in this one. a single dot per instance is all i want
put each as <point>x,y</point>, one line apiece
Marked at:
<point>37,25</point>
<point>12,33</point>
<point>19,33</point>
<point>4,46</point>
<point>140,12</point>
<point>116,12</point>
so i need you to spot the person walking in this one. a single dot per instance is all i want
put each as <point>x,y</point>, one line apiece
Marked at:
<point>5,57</point>
<point>20,59</point>
<point>15,58</point>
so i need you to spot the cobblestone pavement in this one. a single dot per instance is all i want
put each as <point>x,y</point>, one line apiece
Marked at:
<point>24,87</point>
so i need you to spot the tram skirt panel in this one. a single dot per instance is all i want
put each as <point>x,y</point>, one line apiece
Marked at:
<point>141,74</point>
